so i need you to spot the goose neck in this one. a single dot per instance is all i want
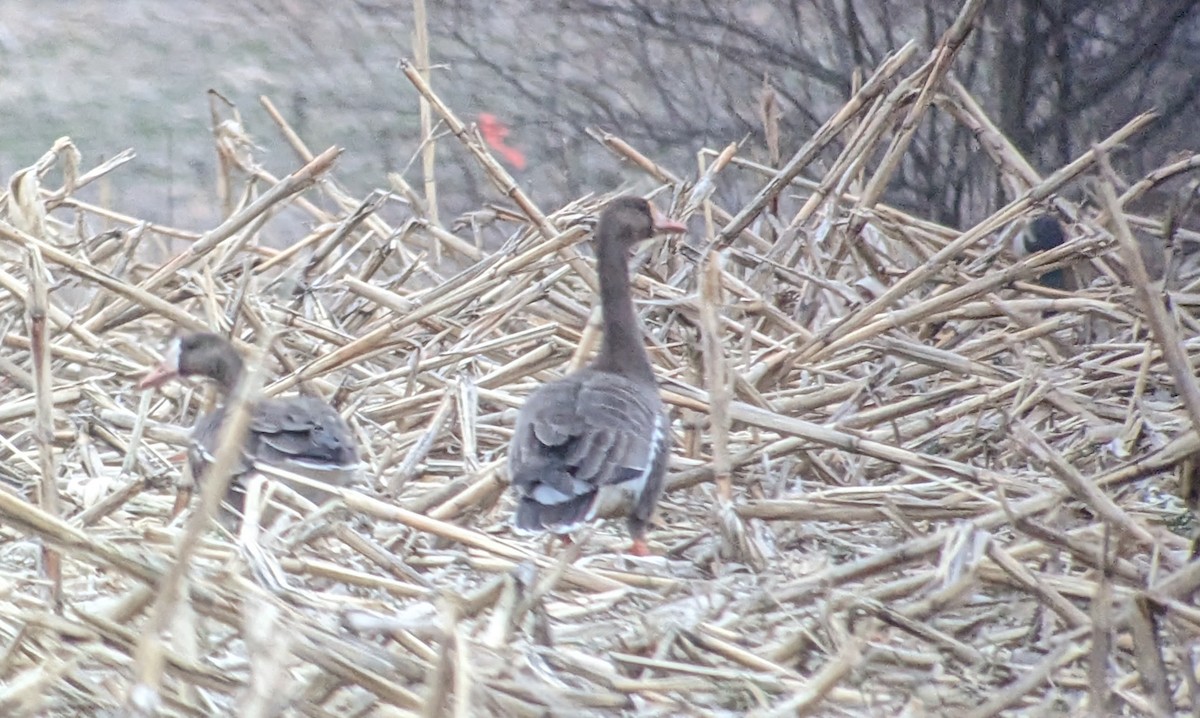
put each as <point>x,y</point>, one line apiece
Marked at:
<point>623,349</point>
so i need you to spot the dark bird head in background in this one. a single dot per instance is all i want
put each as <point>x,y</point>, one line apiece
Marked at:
<point>1043,233</point>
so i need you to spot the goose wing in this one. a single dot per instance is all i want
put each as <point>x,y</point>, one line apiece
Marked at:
<point>301,435</point>
<point>579,436</point>
<point>301,431</point>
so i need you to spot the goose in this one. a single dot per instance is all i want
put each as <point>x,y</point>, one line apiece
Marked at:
<point>300,435</point>
<point>596,442</point>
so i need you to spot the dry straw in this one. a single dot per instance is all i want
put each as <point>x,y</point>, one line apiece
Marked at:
<point>907,480</point>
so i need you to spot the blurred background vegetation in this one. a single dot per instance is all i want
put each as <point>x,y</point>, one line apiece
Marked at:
<point>667,76</point>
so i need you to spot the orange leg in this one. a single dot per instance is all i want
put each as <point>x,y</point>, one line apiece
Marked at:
<point>558,542</point>
<point>182,496</point>
<point>639,547</point>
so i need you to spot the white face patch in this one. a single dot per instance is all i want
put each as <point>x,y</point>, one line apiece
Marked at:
<point>171,357</point>
<point>1018,244</point>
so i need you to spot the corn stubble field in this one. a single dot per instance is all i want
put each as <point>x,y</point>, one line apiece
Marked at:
<point>943,501</point>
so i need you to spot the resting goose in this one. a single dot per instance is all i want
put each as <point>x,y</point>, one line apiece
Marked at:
<point>596,441</point>
<point>299,434</point>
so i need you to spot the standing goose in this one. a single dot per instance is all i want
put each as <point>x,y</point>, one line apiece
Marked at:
<point>299,434</point>
<point>596,441</point>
